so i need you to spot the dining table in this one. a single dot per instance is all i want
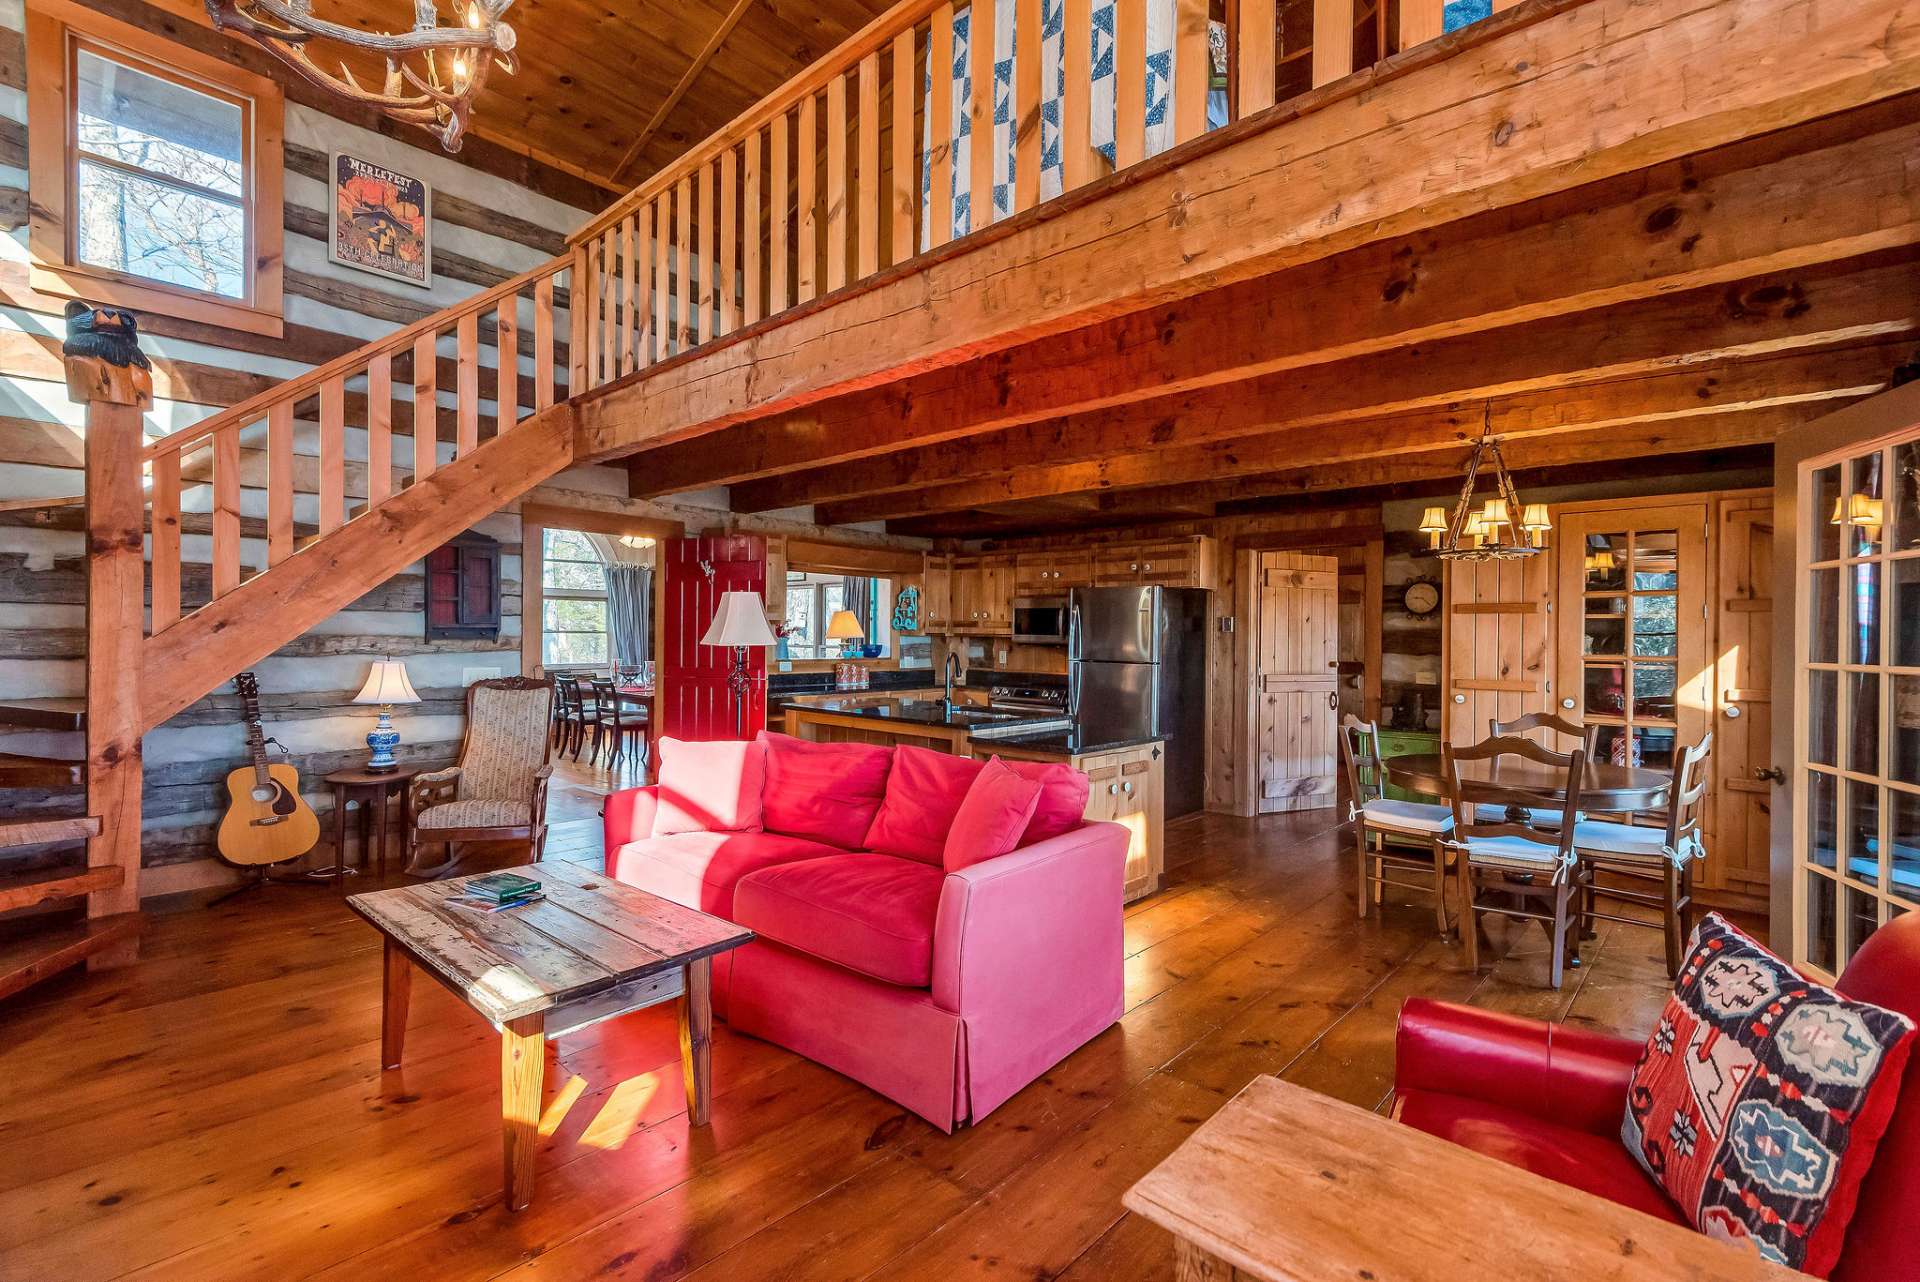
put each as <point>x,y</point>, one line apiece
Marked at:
<point>1603,785</point>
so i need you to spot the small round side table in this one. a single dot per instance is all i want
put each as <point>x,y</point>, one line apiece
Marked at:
<point>372,792</point>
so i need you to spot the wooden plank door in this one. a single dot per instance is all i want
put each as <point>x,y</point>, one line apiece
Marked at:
<point>1497,646</point>
<point>694,699</point>
<point>1296,649</point>
<point>1737,857</point>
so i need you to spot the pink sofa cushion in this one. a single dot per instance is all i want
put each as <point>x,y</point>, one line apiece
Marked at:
<point>710,787</point>
<point>702,869</point>
<point>1062,806</point>
<point>924,791</point>
<point>870,913</point>
<point>991,818</point>
<point>823,791</point>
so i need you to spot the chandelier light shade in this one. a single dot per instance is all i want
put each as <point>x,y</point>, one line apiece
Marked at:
<point>431,73</point>
<point>1490,533</point>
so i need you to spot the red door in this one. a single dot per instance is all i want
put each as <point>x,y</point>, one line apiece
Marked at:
<point>695,700</point>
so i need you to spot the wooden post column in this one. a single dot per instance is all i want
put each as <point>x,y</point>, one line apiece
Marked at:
<point>107,373</point>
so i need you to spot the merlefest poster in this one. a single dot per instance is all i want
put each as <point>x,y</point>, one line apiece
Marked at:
<point>379,221</point>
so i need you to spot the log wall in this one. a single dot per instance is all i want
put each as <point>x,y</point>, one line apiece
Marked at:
<point>486,228</point>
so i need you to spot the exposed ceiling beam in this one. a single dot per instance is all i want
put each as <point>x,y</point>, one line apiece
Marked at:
<point>1810,379</point>
<point>694,68</point>
<point>1678,343</point>
<point>1711,437</point>
<point>1714,219</point>
<point>1599,445</point>
<point>1536,100</point>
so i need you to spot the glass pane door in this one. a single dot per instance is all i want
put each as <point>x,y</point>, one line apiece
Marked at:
<point>1857,659</point>
<point>1634,661</point>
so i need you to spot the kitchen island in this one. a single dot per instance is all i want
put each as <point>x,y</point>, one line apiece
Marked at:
<point>1124,775</point>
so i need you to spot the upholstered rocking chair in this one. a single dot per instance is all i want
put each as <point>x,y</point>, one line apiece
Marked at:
<point>498,789</point>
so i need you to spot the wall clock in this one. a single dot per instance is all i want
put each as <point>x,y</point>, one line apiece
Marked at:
<point>1421,597</point>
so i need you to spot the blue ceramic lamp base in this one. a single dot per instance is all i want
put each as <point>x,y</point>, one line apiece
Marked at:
<point>382,740</point>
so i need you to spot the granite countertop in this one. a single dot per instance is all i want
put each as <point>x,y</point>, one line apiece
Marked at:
<point>1073,741</point>
<point>928,709</point>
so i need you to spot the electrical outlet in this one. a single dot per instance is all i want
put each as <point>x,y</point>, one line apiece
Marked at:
<point>1226,623</point>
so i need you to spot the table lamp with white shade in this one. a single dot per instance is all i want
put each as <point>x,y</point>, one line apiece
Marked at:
<point>843,627</point>
<point>741,621</point>
<point>387,685</point>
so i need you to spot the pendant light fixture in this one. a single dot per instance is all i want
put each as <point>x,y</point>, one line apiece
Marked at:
<point>1503,528</point>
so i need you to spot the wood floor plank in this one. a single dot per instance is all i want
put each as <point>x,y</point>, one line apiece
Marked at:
<point>219,1112</point>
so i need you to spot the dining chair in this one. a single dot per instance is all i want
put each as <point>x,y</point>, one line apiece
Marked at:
<point>1588,738</point>
<point>1658,858</point>
<point>1379,820</point>
<point>1532,869</point>
<point>626,718</point>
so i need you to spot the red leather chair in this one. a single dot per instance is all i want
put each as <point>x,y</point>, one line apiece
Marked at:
<point>1549,1099</point>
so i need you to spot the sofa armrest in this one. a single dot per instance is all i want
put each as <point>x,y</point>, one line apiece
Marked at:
<point>628,816</point>
<point>1563,1075</point>
<point>1034,929</point>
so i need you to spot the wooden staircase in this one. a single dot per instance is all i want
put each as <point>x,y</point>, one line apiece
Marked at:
<point>508,432</point>
<point>45,921</point>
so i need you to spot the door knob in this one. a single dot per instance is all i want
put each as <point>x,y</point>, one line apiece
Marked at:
<point>1566,703</point>
<point>1775,773</point>
<point>1459,698</point>
<point>1733,713</point>
<point>1333,700</point>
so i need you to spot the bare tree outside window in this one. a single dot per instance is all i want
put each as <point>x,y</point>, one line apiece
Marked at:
<point>160,180</point>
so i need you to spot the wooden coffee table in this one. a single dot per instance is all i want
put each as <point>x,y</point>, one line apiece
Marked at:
<point>1287,1185</point>
<point>592,950</point>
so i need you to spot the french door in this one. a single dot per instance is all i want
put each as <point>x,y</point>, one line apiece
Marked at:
<point>1856,839</point>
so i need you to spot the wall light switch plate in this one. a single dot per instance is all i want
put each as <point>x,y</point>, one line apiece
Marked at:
<point>1226,623</point>
<point>470,675</point>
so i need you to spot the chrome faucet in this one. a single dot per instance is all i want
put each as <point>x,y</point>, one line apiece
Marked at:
<point>953,670</point>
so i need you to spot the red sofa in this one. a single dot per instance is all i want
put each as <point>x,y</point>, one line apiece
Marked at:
<point>1549,1098</point>
<point>946,991</point>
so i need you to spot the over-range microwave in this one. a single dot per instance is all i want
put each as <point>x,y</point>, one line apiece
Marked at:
<point>1041,620</point>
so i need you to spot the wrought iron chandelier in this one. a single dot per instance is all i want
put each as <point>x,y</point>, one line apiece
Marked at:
<point>432,72</point>
<point>1503,529</point>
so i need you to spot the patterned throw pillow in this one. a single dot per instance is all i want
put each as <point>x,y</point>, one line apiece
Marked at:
<point>1760,1097</point>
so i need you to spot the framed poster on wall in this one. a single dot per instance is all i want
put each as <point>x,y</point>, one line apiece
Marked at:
<point>380,221</point>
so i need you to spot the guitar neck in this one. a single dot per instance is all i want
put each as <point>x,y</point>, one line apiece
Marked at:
<point>256,738</point>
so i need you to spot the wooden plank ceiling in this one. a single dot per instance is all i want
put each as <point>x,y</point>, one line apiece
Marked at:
<point>594,76</point>
<point>1690,311</point>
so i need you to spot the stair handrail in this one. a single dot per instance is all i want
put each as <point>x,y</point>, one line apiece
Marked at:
<point>876,35</point>
<point>301,386</point>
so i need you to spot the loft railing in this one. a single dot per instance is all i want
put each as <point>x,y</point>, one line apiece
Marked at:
<point>251,445</point>
<point>865,159</point>
<point>860,162</point>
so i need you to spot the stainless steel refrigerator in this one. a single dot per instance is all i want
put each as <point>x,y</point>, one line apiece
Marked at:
<point>1137,667</point>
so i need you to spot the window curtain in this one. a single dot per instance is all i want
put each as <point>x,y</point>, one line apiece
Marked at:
<point>630,613</point>
<point>857,595</point>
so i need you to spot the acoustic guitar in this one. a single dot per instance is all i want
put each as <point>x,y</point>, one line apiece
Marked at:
<point>267,821</point>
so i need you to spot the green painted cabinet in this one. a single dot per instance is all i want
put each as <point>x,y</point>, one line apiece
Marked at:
<point>1407,743</point>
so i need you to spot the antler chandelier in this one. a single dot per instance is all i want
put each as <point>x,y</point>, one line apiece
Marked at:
<point>432,72</point>
<point>1502,529</point>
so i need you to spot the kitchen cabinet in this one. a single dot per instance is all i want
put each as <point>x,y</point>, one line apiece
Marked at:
<point>1044,573</point>
<point>1124,786</point>
<point>936,595</point>
<point>1174,563</point>
<point>982,591</point>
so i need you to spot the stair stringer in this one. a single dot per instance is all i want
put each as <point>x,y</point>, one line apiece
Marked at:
<point>206,648</point>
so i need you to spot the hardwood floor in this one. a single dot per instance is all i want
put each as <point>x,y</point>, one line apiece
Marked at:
<point>218,1111</point>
